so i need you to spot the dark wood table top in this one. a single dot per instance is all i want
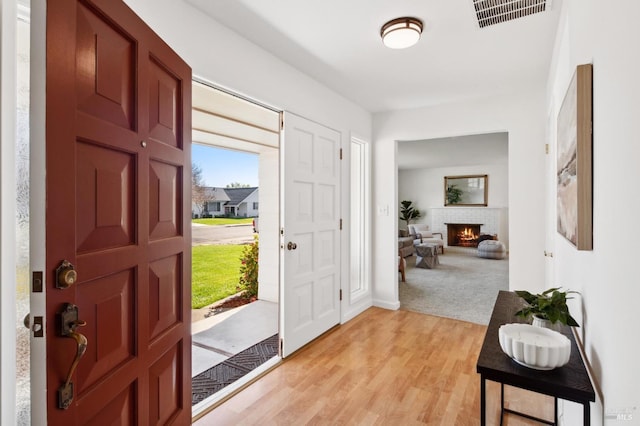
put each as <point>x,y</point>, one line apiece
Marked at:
<point>570,382</point>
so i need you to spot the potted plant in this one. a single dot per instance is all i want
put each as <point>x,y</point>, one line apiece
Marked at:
<point>550,306</point>
<point>407,212</point>
<point>454,194</point>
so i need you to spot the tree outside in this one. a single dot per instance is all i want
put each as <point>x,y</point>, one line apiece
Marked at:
<point>238,185</point>
<point>199,194</point>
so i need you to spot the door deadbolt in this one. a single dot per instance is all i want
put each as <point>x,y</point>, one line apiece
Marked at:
<point>66,275</point>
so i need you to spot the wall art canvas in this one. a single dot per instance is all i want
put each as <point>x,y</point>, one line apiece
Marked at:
<point>574,161</point>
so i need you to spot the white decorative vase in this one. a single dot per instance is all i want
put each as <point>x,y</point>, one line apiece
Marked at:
<point>545,323</point>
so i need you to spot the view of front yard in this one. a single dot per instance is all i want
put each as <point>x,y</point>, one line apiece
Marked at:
<point>224,221</point>
<point>216,273</point>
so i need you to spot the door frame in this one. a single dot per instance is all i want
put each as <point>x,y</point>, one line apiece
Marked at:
<point>8,49</point>
<point>37,188</point>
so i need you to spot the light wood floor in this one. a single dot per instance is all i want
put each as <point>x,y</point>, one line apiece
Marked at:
<point>383,367</point>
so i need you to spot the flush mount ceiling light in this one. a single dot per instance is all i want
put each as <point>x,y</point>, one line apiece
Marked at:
<point>401,33</point>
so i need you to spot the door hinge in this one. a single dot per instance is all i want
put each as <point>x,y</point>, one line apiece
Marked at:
<point>341,153</point>
<point>340,294</point>
<point>546,148</point>
<point>36,282</point>
<point>281,121</point>
<point>281,346</point>
<point>341,224</point>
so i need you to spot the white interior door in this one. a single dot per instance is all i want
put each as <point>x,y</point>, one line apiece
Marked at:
<point>311,237</point>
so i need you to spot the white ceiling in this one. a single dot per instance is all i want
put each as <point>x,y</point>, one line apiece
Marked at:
<point>490,148</point>
<point>337,42</point>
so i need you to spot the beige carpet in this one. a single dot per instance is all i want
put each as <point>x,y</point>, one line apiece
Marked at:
<point>463,286</point>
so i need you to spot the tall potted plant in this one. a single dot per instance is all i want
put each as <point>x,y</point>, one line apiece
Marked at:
<point>407,212</point>
<point>550,306</point>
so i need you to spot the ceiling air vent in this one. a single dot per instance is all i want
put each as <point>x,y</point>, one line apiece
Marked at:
<point>491,12</point>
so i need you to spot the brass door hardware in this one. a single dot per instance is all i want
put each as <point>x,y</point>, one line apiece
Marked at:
<point>66,275</point>
<point>68,323</point>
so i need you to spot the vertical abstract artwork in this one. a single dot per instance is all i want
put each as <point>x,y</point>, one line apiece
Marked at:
<point>574,161</point>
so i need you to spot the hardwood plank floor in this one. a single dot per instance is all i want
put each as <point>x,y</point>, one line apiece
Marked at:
<point>381,368</point>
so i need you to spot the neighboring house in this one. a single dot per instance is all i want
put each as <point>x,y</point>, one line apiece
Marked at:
<point>236,202</point>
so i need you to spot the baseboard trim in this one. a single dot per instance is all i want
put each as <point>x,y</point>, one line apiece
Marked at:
<point>392,306</point>
<point>356,310</point>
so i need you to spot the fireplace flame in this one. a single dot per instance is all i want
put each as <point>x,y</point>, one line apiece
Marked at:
<point>467,233</point>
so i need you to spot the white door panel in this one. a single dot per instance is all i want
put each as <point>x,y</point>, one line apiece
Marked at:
<point>311,223</point>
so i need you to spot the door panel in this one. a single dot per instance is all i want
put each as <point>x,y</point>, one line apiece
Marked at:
<point>105,194</point>
<point>108,308</point>
<point>311,285</point>
<point>118,164</point>
<point>105,69</point>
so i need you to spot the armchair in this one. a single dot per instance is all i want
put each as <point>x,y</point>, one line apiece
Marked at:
<point>421,234</point>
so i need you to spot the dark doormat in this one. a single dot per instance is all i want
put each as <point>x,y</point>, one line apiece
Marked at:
<point>217,377</point>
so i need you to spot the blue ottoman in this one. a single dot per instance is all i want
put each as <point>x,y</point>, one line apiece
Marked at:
<point>491,249</point>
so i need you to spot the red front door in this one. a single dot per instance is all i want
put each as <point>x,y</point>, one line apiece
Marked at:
<point>118,172</point>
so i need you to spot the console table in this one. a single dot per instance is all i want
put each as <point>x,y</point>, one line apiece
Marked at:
<point>570,382</point>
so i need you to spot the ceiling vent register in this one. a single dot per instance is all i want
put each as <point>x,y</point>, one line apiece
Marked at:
<point>491,12</point>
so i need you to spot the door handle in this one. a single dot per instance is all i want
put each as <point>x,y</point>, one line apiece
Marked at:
<point>69,322</point>
<point>292,246</point>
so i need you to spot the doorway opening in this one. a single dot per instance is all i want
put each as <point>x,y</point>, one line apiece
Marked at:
<point>235,243</point>
<point>459,284</point>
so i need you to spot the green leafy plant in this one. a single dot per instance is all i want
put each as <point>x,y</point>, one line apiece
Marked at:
<point>249,269</point>
<point>454,194</point>
<point>407,212</point>
<point>550,305</point>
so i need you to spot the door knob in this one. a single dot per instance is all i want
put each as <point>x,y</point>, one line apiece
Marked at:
<point>292,246</point>
<point>66,275</point>
<point>69,322</point>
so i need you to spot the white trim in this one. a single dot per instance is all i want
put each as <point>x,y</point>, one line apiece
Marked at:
<point>227,392</point>
<point>8,52</point>
<point>394,306</point>
<point>357,301</point>
<point>355,309</point>
<point>38,205</point>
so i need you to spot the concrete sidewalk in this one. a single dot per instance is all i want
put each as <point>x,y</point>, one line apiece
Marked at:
<point>221,336</point>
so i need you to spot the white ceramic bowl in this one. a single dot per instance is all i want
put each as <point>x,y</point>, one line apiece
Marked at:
<point>534,347</point>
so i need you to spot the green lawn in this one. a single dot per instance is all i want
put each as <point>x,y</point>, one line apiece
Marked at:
<point>224,221</point>
<point>215,273</point>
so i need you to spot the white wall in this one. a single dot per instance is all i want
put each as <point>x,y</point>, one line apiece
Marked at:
<point>592,31</point>
<point>425,187</point>
<point>226,59</point>
<point>221,56</point>
<point>523,117</point>
<point>269,226</point>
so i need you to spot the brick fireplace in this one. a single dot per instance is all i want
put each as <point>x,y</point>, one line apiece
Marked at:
<point>463,234</point>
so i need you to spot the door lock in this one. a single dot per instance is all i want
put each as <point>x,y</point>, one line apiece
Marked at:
<point>291,246</point>
<point>66,275</point>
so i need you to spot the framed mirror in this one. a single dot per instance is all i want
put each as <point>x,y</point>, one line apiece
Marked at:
<point>469,190</point>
